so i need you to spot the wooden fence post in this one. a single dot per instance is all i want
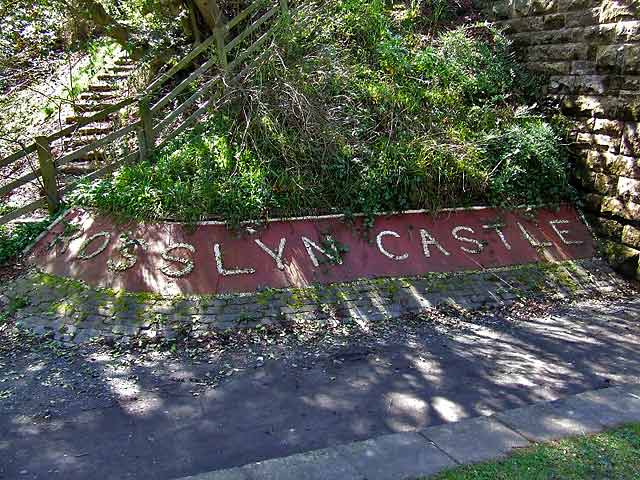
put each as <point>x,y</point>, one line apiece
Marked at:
<point>48,173</point>
<point>219,33</point>
<point>148,141</point>
<point>284,7</point>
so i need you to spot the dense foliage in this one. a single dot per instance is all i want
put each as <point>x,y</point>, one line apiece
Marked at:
<point>13,241</point>
<point>360,109</point>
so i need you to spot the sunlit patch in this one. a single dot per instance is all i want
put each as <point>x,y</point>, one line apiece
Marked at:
<point>36,367</point>
<point>406,411</point>
<point>447,409</point>
<point>328,402</point>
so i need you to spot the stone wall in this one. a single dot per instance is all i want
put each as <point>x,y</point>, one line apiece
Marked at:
<point>71,312</point>
<point>590,51</point>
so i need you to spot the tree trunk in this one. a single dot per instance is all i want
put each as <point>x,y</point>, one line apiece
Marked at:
<point>210,12</point>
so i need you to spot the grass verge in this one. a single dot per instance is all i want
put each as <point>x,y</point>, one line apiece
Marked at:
<point>614,454</point>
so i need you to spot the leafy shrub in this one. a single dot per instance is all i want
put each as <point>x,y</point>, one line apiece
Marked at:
<point>527,165</point>
<point>355,112</point>
<point>13,241</point>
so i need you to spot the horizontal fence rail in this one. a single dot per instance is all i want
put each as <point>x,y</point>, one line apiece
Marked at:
<point>153,119</point>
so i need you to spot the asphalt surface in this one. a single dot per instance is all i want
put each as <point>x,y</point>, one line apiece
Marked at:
<point>117,415</point>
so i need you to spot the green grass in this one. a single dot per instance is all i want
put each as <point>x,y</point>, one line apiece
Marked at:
<point>360,109</point>
<point>611,455</point>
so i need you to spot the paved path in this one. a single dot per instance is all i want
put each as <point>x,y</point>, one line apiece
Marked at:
<point>404,381</point>
<point>426,452</point>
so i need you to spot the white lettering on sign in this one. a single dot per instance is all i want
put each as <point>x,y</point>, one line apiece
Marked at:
<point>384,251</point>
<point>82,255</point>
<point>498,229</point>
<point>455,232</point>
<point>562,233</point>
<point>188,264</point>
<point>427,239</point>
<point>276,256</point>
<point>309,244</point>
<point>223,271</point>
<point>126,249</point>
<point>63,241</point>
<point>531,239</point>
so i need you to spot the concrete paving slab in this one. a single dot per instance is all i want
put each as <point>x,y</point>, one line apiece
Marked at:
<point>231,474</point>
<point>475,440</point>
<point>395,457</point>
<point>609,407</point>
<point>546,421</point>
<point>633,390</point>
<point>324,464</point>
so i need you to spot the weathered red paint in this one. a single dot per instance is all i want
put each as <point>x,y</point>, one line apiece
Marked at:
<point>363,259</point>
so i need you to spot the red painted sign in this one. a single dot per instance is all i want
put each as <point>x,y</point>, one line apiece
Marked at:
<point>208,258</point>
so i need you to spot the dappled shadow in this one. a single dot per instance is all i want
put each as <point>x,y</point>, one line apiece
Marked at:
<point>407,377</point>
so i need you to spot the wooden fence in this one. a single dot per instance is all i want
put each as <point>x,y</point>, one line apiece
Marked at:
<point>154,126</point>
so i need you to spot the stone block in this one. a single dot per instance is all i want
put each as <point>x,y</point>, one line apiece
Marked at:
<point>568,51</point>
<point>610,58</point>
<point>593,202</point>
<point>629,189</point>
<point>552,68</point>
<point>630,82</point>
<point>622,258</point>
<point>530,24</point>
<point>561,84</point>
<point>629,106</point>
<point>583,67</point>
<point>590,84</point>
<point>609,406</point>
<point>582,18</point>
<point>583,125</point>
<point>631,139</point>
<point>607,127</point>
<point>554,21</point>
<point>611,144</point>
<point>593,160</point>
<point>540,7</point>
<point>475,440</point>
<point>589,105</point>
<point>521,8</point>
<point>548,421</point>
<point>606,227</point>
<point>627,32</point>
<point>621,165</point>
<point>614,10</point>
<point>571,5</point>
<point>231,474</point>
<point>317,465</point>
<point>500,10</point>
<point>631,236</point>
<point>397,456</point>
<point>616,207</point>
<point>598,182</point>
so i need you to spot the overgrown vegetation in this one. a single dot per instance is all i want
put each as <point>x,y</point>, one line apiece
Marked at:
<point>14,239</point>
<point>359,109</point>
